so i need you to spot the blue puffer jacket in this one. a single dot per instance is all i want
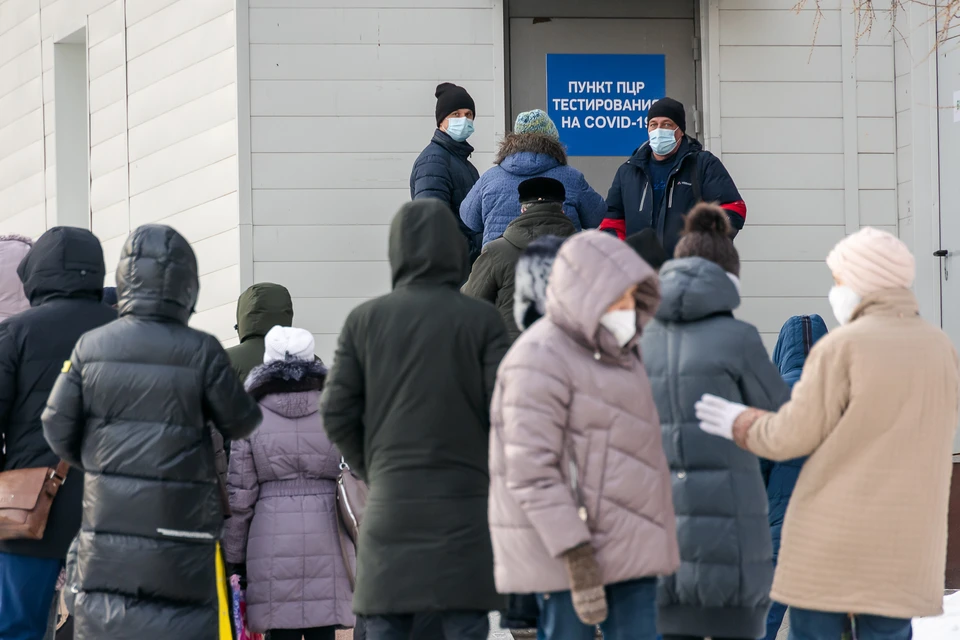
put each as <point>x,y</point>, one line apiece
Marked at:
<point>444,171</point>
<point>493,203</point>
<point>797,337</point>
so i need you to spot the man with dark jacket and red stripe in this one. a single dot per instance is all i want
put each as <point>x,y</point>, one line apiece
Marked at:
<point>665,178</point>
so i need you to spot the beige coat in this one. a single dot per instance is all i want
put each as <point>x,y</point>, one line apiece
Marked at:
<point>567,382</point>
<point>876,410</point>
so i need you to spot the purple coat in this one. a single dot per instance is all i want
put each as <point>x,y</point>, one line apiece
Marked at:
<point>282,485</point>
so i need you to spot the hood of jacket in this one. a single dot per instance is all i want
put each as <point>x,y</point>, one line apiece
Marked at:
<point>541,219</point>
<point>13,300</point>
<point>693,289</point>
<point>592,270</point>
<point>157,277</point>
<point>66,262</point>
<point>262,307</point>
<point>642,156</point>
<point>530,154</point>
<point>288,387</point>
<point>426,246</point>
<point>462,149</point>
<point>796,338</point>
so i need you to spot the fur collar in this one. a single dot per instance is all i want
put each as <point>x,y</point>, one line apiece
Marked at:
<point>286,376</point>
<point>514,143</point>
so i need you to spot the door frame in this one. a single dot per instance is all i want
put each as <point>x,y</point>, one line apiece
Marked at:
<point>708,96</point>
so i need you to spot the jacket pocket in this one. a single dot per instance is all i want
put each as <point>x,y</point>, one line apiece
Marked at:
<point>594,466</point>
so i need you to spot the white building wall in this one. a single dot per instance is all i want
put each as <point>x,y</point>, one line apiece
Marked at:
<point>341,103</point>
<point>162,127</point>
<point>807,130</point>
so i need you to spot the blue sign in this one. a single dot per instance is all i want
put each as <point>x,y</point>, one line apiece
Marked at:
<point>600,101</point>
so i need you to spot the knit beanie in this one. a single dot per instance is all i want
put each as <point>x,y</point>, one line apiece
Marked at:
<point>706,234</point>
<point>870,260</point>
<point>536,121</point>
<point>288,343</point>
<point>669,108</point>
<point>648,247</point>
<point>450,98</point>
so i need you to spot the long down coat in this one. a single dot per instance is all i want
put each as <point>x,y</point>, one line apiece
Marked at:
<point>131,409</point>
<point>695,346</point>
<point>570,402</point>
<point>283,483</point>
<point>407,404</point>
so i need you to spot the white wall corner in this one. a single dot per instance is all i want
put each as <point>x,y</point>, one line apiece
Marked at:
<point>710,74</point>
<point>244,145</point>
<point>498,17</point>
<point>851,157</point>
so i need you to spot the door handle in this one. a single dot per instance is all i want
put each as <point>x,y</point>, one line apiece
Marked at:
<point>943,253</point>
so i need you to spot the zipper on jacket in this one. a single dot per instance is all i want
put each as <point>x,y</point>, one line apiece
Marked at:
<point>643,198</point>
<point>674,395</point>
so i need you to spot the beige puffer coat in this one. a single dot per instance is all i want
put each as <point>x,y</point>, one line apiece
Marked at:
<point>567,381</point>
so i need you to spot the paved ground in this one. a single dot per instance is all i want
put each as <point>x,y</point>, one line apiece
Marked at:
<point>496,633</point>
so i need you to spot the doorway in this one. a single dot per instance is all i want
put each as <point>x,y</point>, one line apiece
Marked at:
<point>537,28</point>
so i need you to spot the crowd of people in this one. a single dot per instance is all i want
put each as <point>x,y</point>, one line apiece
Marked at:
<point>552,422</point>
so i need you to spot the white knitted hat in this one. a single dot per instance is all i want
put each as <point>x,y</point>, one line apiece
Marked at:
<point>288,343</point>
<point>870,260</point>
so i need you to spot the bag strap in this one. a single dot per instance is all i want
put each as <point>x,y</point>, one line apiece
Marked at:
<point>61,470</point>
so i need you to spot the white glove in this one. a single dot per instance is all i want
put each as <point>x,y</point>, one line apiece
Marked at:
<point>717,415</point>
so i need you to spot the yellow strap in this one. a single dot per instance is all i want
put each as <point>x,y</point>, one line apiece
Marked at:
<point>66,367</point>
<point>223,599</point>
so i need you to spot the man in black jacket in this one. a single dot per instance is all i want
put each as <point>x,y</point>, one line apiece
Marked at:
<point>63,279</point>
<point>443,169</point>
<point>407,403</point>
<point>665,178</point>
<point>131,408</point>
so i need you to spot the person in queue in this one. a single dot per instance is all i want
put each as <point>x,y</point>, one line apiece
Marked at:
<point>407,404</point>
<point>132,408</point>
<point>533,150</point>
<point>580,507</point>
<point>665,178</point>
<point>865,537</point>
<point>61,280</point>
<point>494,273</point>
<point>443,170</point>
<point>694,346</point>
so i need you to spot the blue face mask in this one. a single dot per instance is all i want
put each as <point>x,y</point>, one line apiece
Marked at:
<point>663,141</point>
<point>460,129</point>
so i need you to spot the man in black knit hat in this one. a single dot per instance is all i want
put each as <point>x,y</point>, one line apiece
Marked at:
<point>665,178</point>
<point>444,170</point>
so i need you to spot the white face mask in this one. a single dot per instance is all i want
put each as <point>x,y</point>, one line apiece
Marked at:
<point>844,302</point>
<point>663,141</point>
<point>460,129</point>
<point>622,324</point>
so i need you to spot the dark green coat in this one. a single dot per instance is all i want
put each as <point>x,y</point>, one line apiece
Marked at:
<point>493,273</point>
<point>407,403</point>
<point>259,309</point>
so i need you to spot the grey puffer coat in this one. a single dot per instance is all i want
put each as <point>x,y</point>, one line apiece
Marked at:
<point>696,346</point>
<point>282,486</point>
<point>567,395</point>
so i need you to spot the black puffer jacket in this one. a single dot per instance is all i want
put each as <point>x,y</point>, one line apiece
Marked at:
<point>407,403</point>
<point>63,279</point>
<point>131,409</point>
<point>443,171</point>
